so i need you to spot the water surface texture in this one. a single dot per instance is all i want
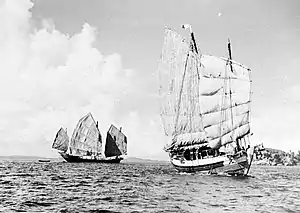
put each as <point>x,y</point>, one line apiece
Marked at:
<point>66,187</point>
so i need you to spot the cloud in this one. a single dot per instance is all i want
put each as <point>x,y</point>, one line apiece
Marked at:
<point>50,79</point>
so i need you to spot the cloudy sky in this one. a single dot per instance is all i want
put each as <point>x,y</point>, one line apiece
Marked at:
<point>60,59</point>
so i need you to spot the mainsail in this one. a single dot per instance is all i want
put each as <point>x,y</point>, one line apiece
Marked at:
<point>225,113</point>
<point>204,99</point>
<point>61,141</point>
<point>86,138</point>
<point>116,142</point>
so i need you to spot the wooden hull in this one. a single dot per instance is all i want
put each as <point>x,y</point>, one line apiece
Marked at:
<point>89,159</point>
<point>233,165</point>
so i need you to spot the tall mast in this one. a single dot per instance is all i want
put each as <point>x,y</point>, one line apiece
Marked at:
<point>230,91</point>
<point>187,26</point>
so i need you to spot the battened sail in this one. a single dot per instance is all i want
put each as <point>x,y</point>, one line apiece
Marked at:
<point>86,138</point>
<point>116,142</point>
<point>225,95</point>
<point>61,141</point>
<point>204,99</point>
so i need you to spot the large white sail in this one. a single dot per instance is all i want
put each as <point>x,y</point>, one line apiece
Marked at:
<point>204,99</point>
<point>61,141</point>
<point>86,138</point>
<point>116,142</point>
<point>179,90</point>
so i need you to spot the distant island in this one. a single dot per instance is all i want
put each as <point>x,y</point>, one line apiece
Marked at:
<point>276,157</point>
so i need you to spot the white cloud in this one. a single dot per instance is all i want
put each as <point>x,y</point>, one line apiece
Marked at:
<point>50,79</point>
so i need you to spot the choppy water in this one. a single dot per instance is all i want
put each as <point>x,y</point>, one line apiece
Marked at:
<point>65,187</point>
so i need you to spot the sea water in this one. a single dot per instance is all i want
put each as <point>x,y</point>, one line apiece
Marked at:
<point>67,187</point>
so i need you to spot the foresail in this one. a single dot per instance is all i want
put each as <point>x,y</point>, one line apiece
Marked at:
<point>225,100</point>
<point>188,120</point>
<point>116,142</point>
<point>86,138</point>
<point>179,90</point>
<point>61,141</point>
<point>172,62</point>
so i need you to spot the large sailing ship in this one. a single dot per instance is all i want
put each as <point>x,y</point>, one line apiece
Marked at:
<point>205,108</point>
<point>86,143</point>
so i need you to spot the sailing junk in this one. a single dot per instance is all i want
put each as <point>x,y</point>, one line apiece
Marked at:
<point>86,143</point>
<point>205,108</point>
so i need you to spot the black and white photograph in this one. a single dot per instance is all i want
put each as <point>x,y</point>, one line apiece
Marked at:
<point>137,106</point>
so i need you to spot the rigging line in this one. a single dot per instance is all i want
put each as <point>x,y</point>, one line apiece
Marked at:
<point>180,92</point>
<point>199,94</point>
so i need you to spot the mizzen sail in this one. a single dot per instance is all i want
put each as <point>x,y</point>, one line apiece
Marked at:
<point>61,141</point>
<point>116,142</point>
<point>86,138</point>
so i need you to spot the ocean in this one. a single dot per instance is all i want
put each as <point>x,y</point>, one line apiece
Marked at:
<point>128,187</point>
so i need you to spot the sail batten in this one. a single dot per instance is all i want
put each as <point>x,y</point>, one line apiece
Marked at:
<point>204,98</point>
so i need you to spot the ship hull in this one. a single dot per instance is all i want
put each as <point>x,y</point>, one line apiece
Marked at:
<point>89,159</point>
<point>233,165</point>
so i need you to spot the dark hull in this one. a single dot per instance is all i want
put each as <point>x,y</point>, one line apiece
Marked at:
<point>80,159</point>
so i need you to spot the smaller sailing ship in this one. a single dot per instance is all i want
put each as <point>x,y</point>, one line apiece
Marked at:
<point>205,108</point>
<point>85,144</point>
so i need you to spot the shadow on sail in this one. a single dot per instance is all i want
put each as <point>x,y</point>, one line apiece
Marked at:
<point>116,142</point>
<point>61,141</point>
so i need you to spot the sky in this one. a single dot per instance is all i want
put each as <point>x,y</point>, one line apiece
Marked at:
<point>61,59</point>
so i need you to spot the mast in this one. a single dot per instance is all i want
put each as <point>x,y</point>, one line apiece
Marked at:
<point>187,26</point>
<point>230,90</point>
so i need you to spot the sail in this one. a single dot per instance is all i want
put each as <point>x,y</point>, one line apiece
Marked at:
<point>225,97</point>
<point>86,138</point>
<point>179,90</point>
<point>204,99</point>
<point>61,140</point>
<point>116,142</point>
